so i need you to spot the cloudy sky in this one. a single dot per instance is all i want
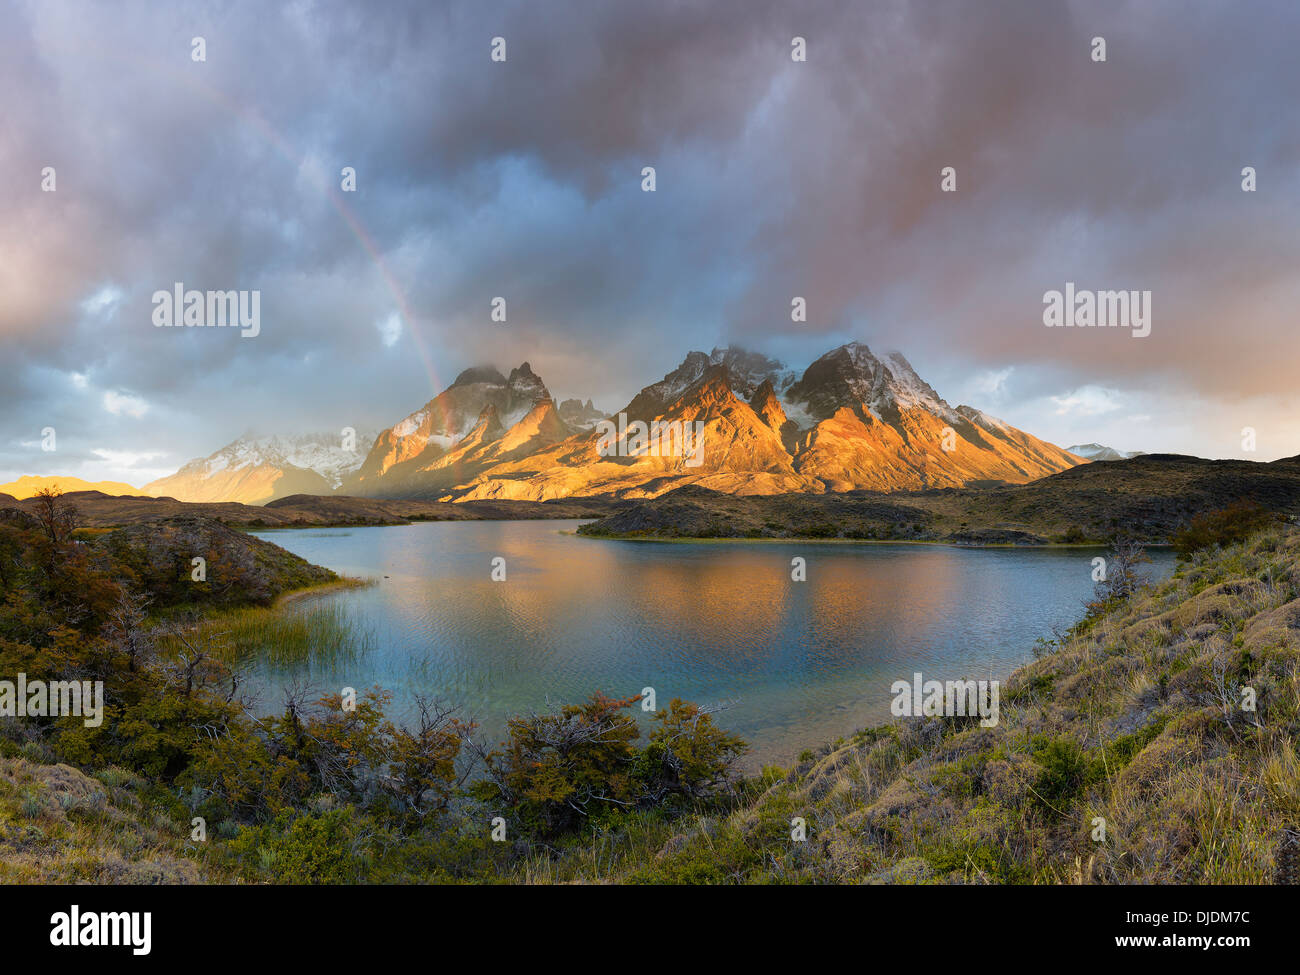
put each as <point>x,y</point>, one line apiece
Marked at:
<point>522,179</point>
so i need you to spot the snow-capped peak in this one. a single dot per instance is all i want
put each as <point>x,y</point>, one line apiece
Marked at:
<point>852,376</point>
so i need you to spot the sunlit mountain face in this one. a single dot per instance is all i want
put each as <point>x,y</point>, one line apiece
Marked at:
<point>850,421</point>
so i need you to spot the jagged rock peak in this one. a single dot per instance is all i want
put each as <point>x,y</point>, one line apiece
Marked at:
<point>852,376</point>
<point>745,372</point>
<point>527,383</point>
<point>580,415</point>
<point>765,394</point>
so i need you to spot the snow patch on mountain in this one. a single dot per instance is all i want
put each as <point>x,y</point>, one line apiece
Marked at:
<point>320,452</point>
<point>980,418</point>
<point>852,376</point>
<point>910,391</point>
<point>404,428</point>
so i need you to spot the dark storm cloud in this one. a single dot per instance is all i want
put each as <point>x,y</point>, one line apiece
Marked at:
<point>521,179</point>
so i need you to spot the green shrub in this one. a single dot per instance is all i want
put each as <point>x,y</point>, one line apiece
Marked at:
<point>581,766</point>
<point>981,860</point>
<point>688,755</point>
<point>1234,523</point>
<point>1066,770</point>
<point>554,770</point>
<point>305,849</point>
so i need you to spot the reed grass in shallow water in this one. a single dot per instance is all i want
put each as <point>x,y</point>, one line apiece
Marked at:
<point>286,638</point>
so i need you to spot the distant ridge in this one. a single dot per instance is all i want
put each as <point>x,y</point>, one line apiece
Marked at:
<point>29,484</point>
<point>1095,451</point>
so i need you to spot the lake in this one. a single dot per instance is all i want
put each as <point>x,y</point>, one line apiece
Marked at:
<point>796,663</point>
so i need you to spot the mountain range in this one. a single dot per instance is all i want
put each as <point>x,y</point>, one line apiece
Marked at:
<point>851,420</point>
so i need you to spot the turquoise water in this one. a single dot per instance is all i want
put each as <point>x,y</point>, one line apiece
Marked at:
<point>796,663</point>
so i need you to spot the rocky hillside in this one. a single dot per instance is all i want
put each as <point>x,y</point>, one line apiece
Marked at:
<point>429,446</point>
<point>876,424</point>
<point>156,557</point>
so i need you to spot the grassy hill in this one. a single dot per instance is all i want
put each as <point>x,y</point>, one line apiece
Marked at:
<point>1148,497</point>
<point>1134,720</point>
<point>97,510</point>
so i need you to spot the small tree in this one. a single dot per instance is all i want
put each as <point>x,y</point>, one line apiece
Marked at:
<point>422,770</point>
<point>57,517</point>
<point>342,749</point>
<point>125,629</point>
<point>1123,574</point>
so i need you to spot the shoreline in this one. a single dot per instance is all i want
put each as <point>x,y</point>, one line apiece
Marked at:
<point>808,540</point>
<point>320,589</point>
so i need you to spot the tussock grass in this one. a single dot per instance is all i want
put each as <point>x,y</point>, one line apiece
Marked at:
<point>58,825</point>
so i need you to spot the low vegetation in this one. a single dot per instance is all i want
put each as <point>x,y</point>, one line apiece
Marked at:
<point>1235,523</point>
<point>98,510</point>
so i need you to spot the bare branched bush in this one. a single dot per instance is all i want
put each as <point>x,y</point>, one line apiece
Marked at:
<point>1123,575</point>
